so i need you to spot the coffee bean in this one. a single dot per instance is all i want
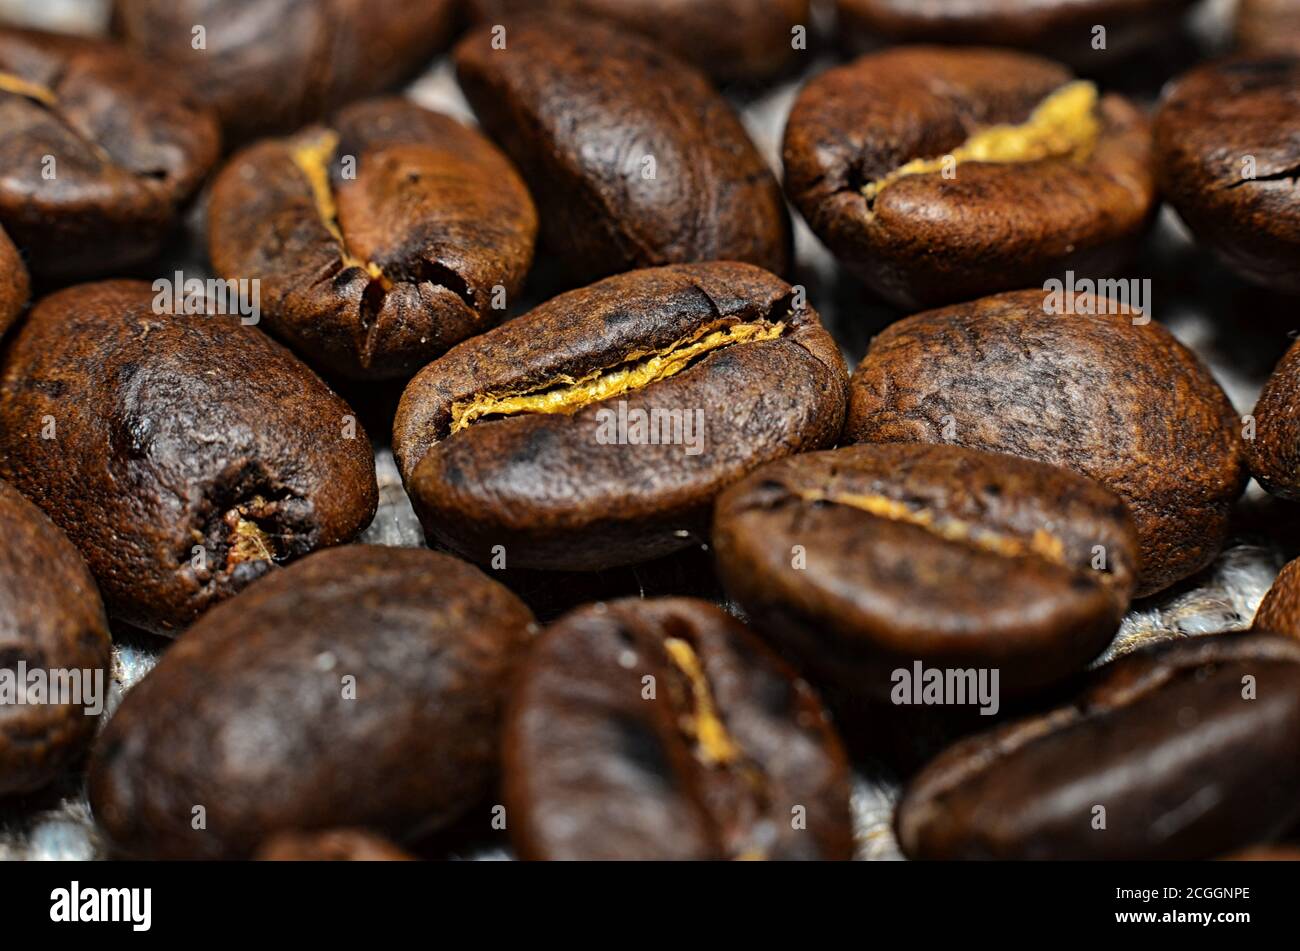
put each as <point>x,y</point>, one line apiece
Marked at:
<point>1279,612</point>
<point>52,622</point>
<point>729,39</point>
<point>14,285</point>
<point>1066,29</point>
<point>358,687</point>
<point>1096,390</point>
<point>1274,452</point>
<point>1228,159</point>
<point>596,430</point>
<point>183,455</point>
<point>861,561</point>
<point>1266,853</point>
<point>380,240</point>
<point>272,66</point>
<point>332,845</point>
<point>100,151</point>
<point>1268,27</point>
<point>662,729</point>
<point>941,175</point>
<point>1182,752</point>
<point>634,159</point>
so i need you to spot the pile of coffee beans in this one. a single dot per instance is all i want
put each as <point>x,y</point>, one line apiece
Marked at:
<point>696,554</point>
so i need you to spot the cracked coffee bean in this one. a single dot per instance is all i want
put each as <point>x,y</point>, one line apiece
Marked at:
<point>1118,400</point>
<point>597,429</point>
<point>1185,751</point>
<point>184,456</point>
<point>663,729</point>
<point>373,274</point>
<point>52,621</point>
<point>1228,158</point>
<point>272,66</point>
<point>1274,452</point>
<point>943,175</point>
<point>14,284</point>
<point>863,560</point>
<point>729,39</point>
<point>633,158</point>
<point>100,152</point>
<point>1279,612</point>
<point>332,845</point>
<point>1268,27</point>
<point>1064,29</point>
<point>361,686</point>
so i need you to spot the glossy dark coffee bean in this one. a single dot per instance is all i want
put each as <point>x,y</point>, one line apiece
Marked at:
<point>1268,27</point>
<point>1065,29</point>
<point>184,455</point>
<point>1227,155</point>
<point>272,66</point>
<point>100,151</point>
<point>1279,612</point>
<point>729,39</point>
<point>597,429</point>
<point>359,687</point>
<point>1122,402</point>
<point>380,240</point>
<point>1186,751</point>
<point>332,845</point>
<point>940,175</point>
<point>861,561</point>
<point>14,283</point>
<point>633,158</point>
<point>53,629</point>
<point>1274,452</point>
<point>663,729</point>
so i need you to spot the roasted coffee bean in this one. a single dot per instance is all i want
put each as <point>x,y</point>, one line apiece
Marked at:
<point>1274,452</point>
<point>633,158</point>
<point>1182,752</point>
<point>862,561</point>
<point>14,286</point>
<point>1065,29</point>
<point>373,274</point>
<point>1094,389</point>
<point>184,455</point>
<point>100,150</point>
<point>1228,156</point>
<point>361,686</point>
<point>663,729</point>
<point>272,66</point>
<point>729,39</point>
<point>941,175</point>
<point>1266,853</point>
<point>597,429</point>
<point>1268,27</point>
<point>52,628</point>
<point>332,845</point>
<point>1279,612</point>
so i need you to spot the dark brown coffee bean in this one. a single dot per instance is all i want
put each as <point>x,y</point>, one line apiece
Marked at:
<point>358,687</point>
<point>1065,29</point>
<point>332,845</point>
<point>380,240</point>
<point>14,285</point>
<point>100,150</point>
<point>1266,853</point>
<point>663,729</point>
<point>1279,612</point>
<point>729,39</point>
<point>1183,752</point>
<point>52,623</point>
<point>862,561</point>
<point>596,430</point>
<point>1228,158</point>
<point>272,66</point>
<point>941,175</point>
<point>633,158</point>
<point>1274,452</point>
<point>1268,27</point>
<point>184,455</point>
<point>1104,393</point>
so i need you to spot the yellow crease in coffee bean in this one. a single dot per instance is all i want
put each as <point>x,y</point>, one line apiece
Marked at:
<point>1041,543</point>
<point>312,158</point>
<point>29,90</point>
<point>1065,124</point>
<point>714,745</point>
<point>568,394</point>
<point>249,543</point>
